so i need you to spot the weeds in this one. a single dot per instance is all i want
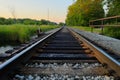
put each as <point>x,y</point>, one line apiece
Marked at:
<point>20,33</point>
<point>112,32</point>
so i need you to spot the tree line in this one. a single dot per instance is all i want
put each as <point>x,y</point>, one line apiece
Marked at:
<point>82,11</point>
<point>113,7</point>
<point>27,21</point>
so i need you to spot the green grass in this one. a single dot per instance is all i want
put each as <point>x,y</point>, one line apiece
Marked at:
<point>84,28</point>
<point>112,32</point>
<point>108,31</point>
<point>20,33</point>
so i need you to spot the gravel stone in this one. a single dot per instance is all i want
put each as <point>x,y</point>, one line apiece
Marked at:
<point>63,71</point>
<point>62,77</point>
<point>106,42</point>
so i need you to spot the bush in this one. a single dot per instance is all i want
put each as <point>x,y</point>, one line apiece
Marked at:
<point>112,32</point>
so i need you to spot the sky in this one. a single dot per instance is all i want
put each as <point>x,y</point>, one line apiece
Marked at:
<point>53,10</point>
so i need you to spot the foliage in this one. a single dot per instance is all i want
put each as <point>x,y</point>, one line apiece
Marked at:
<point>45,28</point>
<point>62,24</point>
<point>114,7</point>
<point>108,31</point>
<point>112,32</point>
<point>20,33</point>
<point>26,21</point>
<point>88,29</point>
<point>80,12</point>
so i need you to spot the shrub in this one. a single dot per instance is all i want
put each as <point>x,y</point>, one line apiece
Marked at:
<point>112,32</point>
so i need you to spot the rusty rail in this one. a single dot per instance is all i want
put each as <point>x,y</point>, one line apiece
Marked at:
<point>111,64</point>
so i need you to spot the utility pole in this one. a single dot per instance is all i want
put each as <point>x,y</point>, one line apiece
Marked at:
<point>48,16</point>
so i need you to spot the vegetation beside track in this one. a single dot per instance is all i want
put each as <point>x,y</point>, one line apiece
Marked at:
<point>112,32</point>
<point>20,33</point>
<point>108,31</point>
<point>85,28</point>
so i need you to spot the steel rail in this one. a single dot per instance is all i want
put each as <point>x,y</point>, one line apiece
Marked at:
<point>101,55</point>
<point>4,64</point>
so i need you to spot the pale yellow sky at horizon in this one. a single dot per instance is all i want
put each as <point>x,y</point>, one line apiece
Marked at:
<point>35,9</point>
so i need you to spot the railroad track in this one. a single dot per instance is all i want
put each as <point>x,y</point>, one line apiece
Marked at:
<point>63,54</point>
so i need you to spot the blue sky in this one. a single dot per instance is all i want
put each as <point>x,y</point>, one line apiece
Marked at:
<point>35,9</point>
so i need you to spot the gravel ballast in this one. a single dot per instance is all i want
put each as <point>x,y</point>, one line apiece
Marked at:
<point>108,43</point>
<point>63,71</point>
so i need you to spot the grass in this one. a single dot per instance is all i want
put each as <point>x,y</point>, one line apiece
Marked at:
<point>108,31</point>
<point>112,32</point>
<point>84,28</point>
<point>20,33</point>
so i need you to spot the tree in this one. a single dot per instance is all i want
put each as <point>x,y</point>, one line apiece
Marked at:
<point>2,21</point>
<point>80,12</point>
<point>62,24</point>
<point>45,22</point>
<point>114,7</point>
<point>9,21</point>
<point>26,21</point>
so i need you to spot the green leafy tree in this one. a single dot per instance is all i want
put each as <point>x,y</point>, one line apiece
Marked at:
<point>26,21</point>
<point>2,21</point>
<point>114,7</point>
<point>80,12</point>
<point>9,21</point>
<point>62,24</point>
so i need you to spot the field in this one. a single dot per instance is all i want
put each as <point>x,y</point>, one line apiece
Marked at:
<point>20,33</point>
